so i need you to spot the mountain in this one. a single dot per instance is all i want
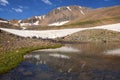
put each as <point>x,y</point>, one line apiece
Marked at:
<point>76,16</point>
<point>55,17</point>
<point>3,20</point>
<point>65,14</point>
<point>8,24</point>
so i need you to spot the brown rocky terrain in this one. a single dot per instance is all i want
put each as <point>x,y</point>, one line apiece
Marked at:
<point>10,42</point>
<point>9,24</point>
<point>13,48</point>
<point>97,35</point>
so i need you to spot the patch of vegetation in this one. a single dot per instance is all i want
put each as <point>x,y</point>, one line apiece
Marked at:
<point>86,22</point>
<point>12,49</point>
<point>9,60</point>
<point>92,22</point>
<point>117,17</point>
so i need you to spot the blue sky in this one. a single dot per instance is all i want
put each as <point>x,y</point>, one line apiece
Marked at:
<point>21,9</point>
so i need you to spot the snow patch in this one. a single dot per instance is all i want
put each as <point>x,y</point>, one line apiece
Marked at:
<point>19,21</point>
<point>58,23</point>
<point>42,34</point>
<point>40,17</point>
<point>3,21</point>
<point>58,8</point>
<point>36,23</point>
<point>82,12</point>
<point>25,24</point>
<point>58,33</point>
<point>80,7</point>
<point>29,24</point>
<point>43,16</point>
<point>69,8</point>
<point>36,17</point>
<point>23,28</point>
<point>113,27</point>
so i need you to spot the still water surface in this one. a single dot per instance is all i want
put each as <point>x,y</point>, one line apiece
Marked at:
<point>86,61</point>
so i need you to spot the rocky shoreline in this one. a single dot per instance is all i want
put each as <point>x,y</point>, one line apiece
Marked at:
<point>12,49</point>
<point>93,35</point>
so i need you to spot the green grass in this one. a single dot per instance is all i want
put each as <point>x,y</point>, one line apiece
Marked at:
<point>9,60</point>
<point>86,22</point>
<point>117,17</point>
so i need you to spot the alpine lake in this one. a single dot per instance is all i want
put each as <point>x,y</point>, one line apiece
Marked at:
<point>76,61</point>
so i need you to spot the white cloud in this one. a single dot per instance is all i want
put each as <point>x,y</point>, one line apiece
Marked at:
<point>4,2</point>
<point>23,7</point>
<point>47,2</point>
<point>19,10</point>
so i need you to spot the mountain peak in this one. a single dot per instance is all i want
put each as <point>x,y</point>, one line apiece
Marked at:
<point>66,15</point>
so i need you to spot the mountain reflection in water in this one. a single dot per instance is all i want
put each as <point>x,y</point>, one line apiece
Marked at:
<point>71,62</point>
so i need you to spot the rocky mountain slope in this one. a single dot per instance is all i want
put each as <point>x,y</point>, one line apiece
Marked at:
<point>93,35</point>
<point>9,24</point>
<point>70,16</point>
<point>55,17</point>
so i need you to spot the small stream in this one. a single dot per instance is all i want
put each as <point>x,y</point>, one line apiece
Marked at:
<point>86,61</point>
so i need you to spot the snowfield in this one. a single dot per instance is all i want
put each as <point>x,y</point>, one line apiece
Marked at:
<point>57,33</point>
<point>58,23</point>
<point>3,21</point>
